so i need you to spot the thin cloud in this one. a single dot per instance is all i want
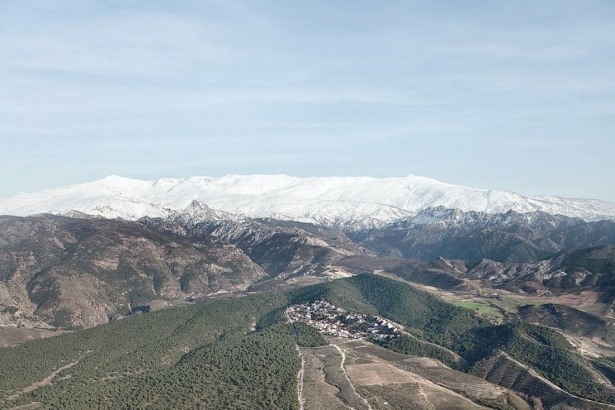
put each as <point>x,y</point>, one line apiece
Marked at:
<point>344,87</point>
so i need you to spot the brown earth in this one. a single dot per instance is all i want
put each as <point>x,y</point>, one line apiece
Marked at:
<point>12,336</point>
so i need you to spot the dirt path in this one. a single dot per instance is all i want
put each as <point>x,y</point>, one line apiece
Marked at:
<point>343,353</point>
<point>302,370</point>
<point>46,381</point>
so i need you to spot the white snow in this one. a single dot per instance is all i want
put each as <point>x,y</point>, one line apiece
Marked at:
<point>359,201</point>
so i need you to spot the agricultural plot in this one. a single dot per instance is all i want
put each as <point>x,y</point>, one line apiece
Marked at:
<point>319,391</point>
<point>466,384</point>
<point>325,373</point>
<point>357,374</point>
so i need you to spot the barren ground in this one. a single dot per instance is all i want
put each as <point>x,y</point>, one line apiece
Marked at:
<point>12,336</point>
<point>372,377</point>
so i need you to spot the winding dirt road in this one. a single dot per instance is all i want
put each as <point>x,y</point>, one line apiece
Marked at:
<point>343,353</point>
<point>302,370</point>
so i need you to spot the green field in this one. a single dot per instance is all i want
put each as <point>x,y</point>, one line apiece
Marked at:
<point>482,308</point>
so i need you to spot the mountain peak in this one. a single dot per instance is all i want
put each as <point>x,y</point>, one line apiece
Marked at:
<point>329,201</point>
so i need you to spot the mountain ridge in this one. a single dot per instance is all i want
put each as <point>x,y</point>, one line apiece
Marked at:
<point>346,202</point>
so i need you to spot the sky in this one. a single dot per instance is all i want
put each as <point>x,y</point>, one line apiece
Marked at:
<point>506,95</point>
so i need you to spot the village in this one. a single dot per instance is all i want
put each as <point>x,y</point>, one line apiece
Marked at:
<point>334,321</point>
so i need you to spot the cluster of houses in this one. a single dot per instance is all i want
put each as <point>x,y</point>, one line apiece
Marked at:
<point>335,321</point>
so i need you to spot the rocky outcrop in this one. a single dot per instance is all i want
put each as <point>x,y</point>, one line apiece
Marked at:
<point>283,249</point>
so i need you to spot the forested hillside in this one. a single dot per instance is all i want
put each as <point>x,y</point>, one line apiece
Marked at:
<point>201,356</point>
<point>240,353</point>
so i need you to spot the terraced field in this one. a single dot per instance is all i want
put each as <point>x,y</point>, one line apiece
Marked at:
<point>374,378</point>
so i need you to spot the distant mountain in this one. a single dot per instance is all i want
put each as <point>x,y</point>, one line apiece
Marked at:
<point>505,237</point>
<point>281,248</point>
<point>571,271</point>
<point>348,202</point>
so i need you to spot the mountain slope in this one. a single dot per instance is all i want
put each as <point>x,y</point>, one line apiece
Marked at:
<point>83,272</point>
<point>331,201</point>
<point>505,237</point>
<point>570,271</point>
<point>198,356</point>
<point>282,249</point>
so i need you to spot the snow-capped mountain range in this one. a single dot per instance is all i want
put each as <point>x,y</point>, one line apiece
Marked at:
<point>360,202</point>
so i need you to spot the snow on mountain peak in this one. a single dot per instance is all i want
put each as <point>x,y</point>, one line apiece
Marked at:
<point>331,201</point>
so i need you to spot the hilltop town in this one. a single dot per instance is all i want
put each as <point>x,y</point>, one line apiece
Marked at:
<point>334,321</point>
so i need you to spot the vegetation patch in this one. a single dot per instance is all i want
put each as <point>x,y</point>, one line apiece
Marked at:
<point>484,309</point>
<point>307,336</point>
<point>414,347</point>
<point>144,352</point>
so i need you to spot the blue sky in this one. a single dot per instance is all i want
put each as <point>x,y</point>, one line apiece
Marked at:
<point>509,95</point>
